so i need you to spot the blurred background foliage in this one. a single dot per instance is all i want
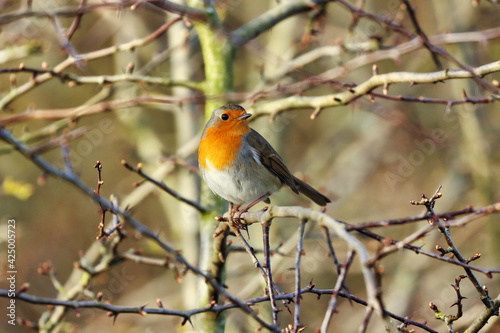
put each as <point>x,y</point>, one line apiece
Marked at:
<point>373,157</point>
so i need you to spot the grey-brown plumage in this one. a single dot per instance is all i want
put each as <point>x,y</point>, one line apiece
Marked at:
<point>269,158</point>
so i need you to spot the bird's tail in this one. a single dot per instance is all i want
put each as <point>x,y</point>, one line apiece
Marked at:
<point>311,193</point>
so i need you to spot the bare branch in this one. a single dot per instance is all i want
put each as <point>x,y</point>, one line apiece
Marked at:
<point>85,110</point>
<point>39,79</point>
<point>335,226</point>
<point>483,318</point>
<point>164,187</point>
<point>270,18</point>
<point>445,231</point>
<point>267,267</point>
<point>251,252</point>
<point>380,80</point>
<point>383,20</point>
<point>332,304</point>
<point>187,314</point>
<point>421,33</point>
<point>253,217</point>
<point>74,79</point>
<point>300,249</point>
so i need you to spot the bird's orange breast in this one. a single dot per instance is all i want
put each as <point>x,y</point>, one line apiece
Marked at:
<point>219,146</point>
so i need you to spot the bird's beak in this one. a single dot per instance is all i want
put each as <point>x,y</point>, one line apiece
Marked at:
<point>244,116</point>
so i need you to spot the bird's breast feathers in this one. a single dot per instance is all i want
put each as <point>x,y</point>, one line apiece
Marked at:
<point>219,149</point>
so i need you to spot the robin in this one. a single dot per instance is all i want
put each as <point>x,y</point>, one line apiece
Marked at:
<point>239,165</point>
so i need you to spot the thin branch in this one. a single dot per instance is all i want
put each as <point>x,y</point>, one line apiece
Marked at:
<point>426,100</point>
<point>442,52</point>
<point>445,231</point>
<point>76,22</point>
<point>267,267</point>
<point>380,19</point>
<point>459,300</point>
<point>58,141</point>
<point>421,34</point>
<point>164,187</point>
<point>74,79</point>
<point>219,260</point>
<point>396,246</point>
<point>85,110</point>
<point>333,255</point>
<point>54,127</point>
<point>332,304</point>
<point>190,12</point>
<point>300,252</point>
<point>269,19</point>
<point>102,233</point>
<point>485,315</point>
<point>133,256</point>
<point>66,44</point>
<point>103,258</point>
<point>418,250</point>
<point>449,319</point>
<point>417,218</point>
<point>251,252</point>
<point>366,320</point>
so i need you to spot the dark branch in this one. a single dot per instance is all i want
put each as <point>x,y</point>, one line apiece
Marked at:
<point>164,187</point>
<point>187,314</point>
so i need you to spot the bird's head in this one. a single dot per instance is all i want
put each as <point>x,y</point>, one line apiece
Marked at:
<point>229,117</point>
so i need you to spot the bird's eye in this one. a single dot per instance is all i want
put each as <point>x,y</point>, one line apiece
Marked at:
<point>224,116</point>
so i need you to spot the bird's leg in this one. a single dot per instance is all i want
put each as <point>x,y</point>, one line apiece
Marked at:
<point>264,198</point>
<point>236,221</point>
<point>232,210</point>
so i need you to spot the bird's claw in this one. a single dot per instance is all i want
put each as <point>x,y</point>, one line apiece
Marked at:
<point>236,220</point>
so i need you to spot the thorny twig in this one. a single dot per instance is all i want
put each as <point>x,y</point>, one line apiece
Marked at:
<point>310,289</point>
<point>445,231</point>
<point>98,166</point>
<point>449,319</point>
<point>251,252</point>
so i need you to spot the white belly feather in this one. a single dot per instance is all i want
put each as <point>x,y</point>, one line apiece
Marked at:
<point>243,185</point>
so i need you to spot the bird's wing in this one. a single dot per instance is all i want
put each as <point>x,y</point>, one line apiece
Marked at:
<point>264,154</point>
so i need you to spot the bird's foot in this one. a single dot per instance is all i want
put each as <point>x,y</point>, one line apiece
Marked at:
<point>235,216</point>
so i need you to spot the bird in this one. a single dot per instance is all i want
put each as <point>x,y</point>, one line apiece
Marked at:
<point>239,165</point>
